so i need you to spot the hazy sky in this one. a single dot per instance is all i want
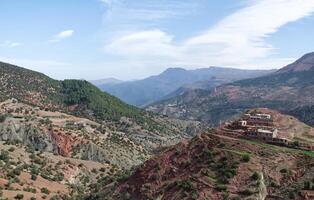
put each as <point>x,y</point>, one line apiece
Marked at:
<point>130,39</point>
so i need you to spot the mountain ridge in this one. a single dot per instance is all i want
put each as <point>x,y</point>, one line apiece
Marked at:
<point>109,81</point>
<point>284,90</point>
<point>146,91</point>
<point>304,63</point>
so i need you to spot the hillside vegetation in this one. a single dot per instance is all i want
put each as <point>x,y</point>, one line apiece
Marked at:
<point>73,134</point>
<point>77,97</point>
<point>37,89</point>
<point>215,167</point>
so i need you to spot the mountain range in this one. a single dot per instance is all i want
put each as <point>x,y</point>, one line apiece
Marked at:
<point>146,91</point>
<point>69,140</point>
<point>290,90</point>
<point>106,81</point>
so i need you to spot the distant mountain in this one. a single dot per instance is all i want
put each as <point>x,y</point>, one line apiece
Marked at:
<point>143,92</point>
<point>290,89</point>
<point>106,81</point>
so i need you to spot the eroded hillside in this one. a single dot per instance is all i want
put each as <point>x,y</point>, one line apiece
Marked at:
<point>68,152</point>
<point>217,167</point>
<point>262,154</point>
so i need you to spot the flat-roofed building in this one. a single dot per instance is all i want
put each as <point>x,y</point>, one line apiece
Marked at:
<point>264,134</point>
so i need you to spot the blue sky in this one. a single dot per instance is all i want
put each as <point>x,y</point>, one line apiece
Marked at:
<point>94,39</point>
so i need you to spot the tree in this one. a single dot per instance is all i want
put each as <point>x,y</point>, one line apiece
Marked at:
<point>45,190</point>
<point>255,176</point>
<point>4,155</point>
<point>246,158</point>
<point>2,118</point>
<point>19,196</point>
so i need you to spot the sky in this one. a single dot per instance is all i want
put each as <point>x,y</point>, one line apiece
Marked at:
<point>133,39</point>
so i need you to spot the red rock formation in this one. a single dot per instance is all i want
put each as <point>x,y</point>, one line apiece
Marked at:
<point>64,142</point>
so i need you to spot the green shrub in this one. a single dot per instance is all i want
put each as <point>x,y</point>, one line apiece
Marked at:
<point>186,185</point>
<point>283,171</point>
<point>4,155</point>
<point>221,187</point>
<point>11,149</point>
<point>255,176</point>
<point>307,185</point>
<point>44,190</point>
<point>246,158</point>
<point>19,196</point>
<point>292,195</point>
<point>2,118</point>
<point>246,192</point>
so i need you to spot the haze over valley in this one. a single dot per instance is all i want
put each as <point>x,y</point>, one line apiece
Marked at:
<point>157,100</point>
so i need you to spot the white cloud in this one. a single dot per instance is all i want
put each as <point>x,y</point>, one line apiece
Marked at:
<point>238,40</point>
<point>9,43</point>
<point>241,36</point>
<point>138,14</point>
<point>62,35</point>
<point>107,2</point>
<point>145,43</point>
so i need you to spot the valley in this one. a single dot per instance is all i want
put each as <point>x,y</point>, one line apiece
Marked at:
<point>156,100</point>
<point>72,141</point>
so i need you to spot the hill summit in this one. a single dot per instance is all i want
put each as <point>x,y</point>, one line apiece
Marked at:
<point>305,63</point>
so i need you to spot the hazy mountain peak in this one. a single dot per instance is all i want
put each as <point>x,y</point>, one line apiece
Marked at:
<point>154,88</point>
<point>173,70</point>
<point>305,63</point>
<point>106,81</point>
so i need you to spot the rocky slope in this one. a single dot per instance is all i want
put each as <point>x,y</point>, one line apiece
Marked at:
<point>289,90</point>
<point>92,134</point>
<point>77,150</point>
<point>154,88</point>
<point>27,174</point>
<point>216,166</point>
<point>68,136</point>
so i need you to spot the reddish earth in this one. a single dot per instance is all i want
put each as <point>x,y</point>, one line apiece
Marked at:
<point>65,142</point>
<point>186,172</point>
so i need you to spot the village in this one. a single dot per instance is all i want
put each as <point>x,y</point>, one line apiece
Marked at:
<point>260,126</point>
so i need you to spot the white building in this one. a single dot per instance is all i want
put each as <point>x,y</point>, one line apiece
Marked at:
<point>267,133</point>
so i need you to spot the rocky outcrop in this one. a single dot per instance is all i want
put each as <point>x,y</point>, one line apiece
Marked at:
<point>14,131</point>
<point>262,189</point>
<point>114,155</point>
